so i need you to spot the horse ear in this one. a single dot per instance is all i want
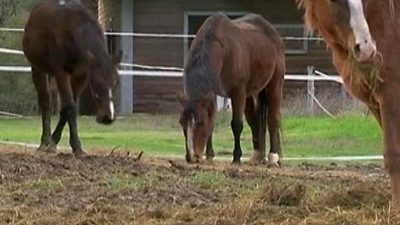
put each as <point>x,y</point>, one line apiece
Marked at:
<point>183,99</point>
<point>117,58</point>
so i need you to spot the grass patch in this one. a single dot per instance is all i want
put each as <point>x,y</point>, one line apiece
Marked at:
<point>47,185</point>
<point>208,180</point>
<point>121,182</point>
<point>161,135</point>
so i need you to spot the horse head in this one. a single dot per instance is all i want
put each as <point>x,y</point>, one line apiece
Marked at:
<point>197,121</point>
<point>103,77</point>
<point>343,25</point>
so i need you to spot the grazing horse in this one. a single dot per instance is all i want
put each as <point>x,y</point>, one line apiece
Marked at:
<point>62,39</point>
<point>242,59</point>
<point>362,36</point>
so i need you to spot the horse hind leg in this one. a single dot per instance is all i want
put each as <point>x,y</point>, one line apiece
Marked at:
<point>274,96</point>
<point>41,83</point>
<point>252,118</point>
<point>210,150</point>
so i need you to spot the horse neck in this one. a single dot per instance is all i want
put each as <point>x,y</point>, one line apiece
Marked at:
<point>200,83</point>
<point>201,74</point>
<point>95,45</point>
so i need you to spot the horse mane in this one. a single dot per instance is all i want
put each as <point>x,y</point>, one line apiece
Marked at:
<point>394,6</point>
<point>309,17</point>
<point>200,78</point>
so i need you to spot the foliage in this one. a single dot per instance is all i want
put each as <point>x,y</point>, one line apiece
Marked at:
<point>17,93</point>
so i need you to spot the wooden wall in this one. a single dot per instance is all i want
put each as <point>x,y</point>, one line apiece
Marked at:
<point>167,16</point>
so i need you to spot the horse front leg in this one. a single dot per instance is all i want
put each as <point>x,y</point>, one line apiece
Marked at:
<point>57,133</point>
<point>238,107</point>
<point>41,82</point>
<point>390,111</point>
<point>68,114</point>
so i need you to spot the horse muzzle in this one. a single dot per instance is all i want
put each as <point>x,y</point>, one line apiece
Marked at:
<point>105,119</point>
<point>365,51</point>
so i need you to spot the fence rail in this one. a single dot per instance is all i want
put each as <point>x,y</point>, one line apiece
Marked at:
<point>163,71</point>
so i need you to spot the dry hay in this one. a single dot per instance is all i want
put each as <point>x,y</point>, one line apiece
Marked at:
<point>117,189</point>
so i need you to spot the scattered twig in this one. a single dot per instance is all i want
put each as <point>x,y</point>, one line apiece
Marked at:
<point>139,156</point>
<point>113,150</point>
<point>175,165</point>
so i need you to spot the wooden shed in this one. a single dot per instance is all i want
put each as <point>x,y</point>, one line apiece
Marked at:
<point>158,94</point>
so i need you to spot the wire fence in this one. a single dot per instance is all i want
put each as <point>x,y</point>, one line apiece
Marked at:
<point>135,69</point>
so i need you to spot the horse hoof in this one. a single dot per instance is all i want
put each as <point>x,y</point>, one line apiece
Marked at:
<point>256,162</point>
<point>50,149</point>
<point>79,154</point>
<point>236,162</point>
<point>273,160</point>
<point>258,158</point>
<point>42,148</point>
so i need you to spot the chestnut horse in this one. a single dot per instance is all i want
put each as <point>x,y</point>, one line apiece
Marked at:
<point>242,59</point>
<point>362,36</point>
<point>62,39</point>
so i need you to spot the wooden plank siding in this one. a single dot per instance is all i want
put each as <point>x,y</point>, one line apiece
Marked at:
<point>167,16</point>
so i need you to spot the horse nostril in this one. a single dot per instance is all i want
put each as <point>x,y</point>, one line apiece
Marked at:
<point>357,49</point>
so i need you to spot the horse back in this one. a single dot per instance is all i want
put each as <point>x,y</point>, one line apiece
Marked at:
<point>61,35</point>
<point>263,26</point>
<point>257,54</point>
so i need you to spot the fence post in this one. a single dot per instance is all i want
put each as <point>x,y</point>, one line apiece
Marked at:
<point>310,90</point>
<point>127,47</point>
<point>343,94</point>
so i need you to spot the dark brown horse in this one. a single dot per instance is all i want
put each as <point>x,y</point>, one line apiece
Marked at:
<point>244,60</point>
<point>62,39</point>
<point>363,36</point>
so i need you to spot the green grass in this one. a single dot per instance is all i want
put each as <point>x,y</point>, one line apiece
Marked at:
<point>162,135</point>
<point>46,185</point>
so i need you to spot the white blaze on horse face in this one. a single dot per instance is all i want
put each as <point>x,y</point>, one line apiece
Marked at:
<point>112,109</point>
<point>365,45</point>
<point>62,2</point>
<point>189,141</point>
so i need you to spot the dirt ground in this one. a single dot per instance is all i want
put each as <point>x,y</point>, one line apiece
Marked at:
<point>119,189</point>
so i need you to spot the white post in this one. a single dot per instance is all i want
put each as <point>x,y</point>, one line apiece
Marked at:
<point>343,94</point>
<point>127,48</point>
<point>310,91</point>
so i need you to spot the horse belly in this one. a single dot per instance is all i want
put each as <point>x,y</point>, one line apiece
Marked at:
<point>259,80</point>
<point>255,86</point>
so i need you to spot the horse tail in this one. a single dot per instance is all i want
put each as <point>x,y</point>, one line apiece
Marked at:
<point>262,116</point>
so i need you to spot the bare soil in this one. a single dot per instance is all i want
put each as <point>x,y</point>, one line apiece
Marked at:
<point>120,189</point>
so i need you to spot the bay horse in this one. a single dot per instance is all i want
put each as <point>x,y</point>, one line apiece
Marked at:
<point>363,37</point>
<point>243,59</point>
<point>63,40</point>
